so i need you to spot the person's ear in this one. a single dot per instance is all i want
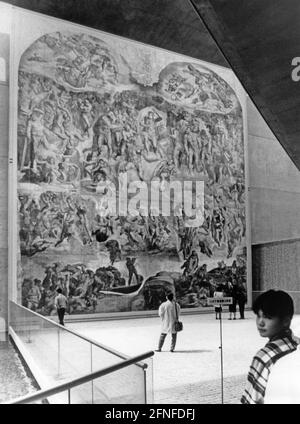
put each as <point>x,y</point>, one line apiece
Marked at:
<point>286,322</point>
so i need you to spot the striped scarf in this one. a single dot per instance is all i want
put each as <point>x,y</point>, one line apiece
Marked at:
<point>277,347</point>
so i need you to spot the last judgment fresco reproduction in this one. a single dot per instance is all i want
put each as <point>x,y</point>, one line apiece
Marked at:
<point>93,116</point>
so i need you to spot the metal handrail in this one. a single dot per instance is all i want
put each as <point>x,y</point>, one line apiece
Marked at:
<point>106,348</point>
<point>42,394</point>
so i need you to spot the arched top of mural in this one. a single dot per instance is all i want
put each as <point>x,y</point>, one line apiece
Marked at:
<point>81,62</point>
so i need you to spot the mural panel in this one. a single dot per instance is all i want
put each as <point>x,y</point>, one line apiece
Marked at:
<point>100,118</point>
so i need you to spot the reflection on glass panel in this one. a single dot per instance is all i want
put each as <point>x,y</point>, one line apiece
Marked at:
<point>123,386</point>
<point>149,380</point>
<point>82,394</point>
<point>59,398</point>
<point>62,356</point>
<point>102,358</point>
<point>75,356</point>
<point>41,340</point>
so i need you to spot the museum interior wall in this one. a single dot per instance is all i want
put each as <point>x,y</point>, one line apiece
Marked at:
<point>272,183</point>
<point>274,187</point>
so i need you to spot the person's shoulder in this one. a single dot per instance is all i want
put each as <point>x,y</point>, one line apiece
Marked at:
<point>288,366</point>
<point>290,362</point>
<point>286,342</point>
<point>263,355</point>
<point>267,353</point>
<point>284,383</point>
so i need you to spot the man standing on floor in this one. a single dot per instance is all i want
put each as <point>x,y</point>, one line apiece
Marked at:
<point>241,295</point>
<point>61,305</point>
<point>168,315</point>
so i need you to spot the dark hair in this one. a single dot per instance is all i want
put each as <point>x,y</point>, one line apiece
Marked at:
<point>274,303</point>
<point>59,290</point>
<point>170,296</point>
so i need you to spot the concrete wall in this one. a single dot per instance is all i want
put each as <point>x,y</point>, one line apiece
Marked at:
<point>4,54</point>
<point>276,265</point>
<point>274,185</point>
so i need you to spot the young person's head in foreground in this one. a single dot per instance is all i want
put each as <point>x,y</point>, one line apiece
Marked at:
<point>274,311</point>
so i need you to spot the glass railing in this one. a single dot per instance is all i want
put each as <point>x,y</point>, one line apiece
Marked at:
<point>59,355</point>
<point>89,388</point>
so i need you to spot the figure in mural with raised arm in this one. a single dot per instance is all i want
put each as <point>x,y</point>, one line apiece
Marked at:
<point>178,148</point>
<point>81,213</point>
<point>33,296</point>
<point>189,149</point>
<point>114,250</point>
<point>130,264</point>
<point>217,226</point>
<point>36,138</point>
<point>67,222</point>
<point>86,109</point>
<point>61,115</point>
<point>111,131</point>
<point>169,315</point>
<point>149,131</point>
<point>191,264</point>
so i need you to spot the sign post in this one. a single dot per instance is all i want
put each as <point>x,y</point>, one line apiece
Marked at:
<point>219,302</point>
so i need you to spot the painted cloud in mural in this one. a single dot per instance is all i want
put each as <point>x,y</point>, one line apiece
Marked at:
<point>90,112</point>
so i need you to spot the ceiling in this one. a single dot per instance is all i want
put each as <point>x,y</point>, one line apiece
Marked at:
<point>260,38</point>
<point>256,38</point>
<point>170,24</point>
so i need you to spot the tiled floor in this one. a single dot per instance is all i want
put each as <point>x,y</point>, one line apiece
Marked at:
<point>189,375</point>
<point>192,373</point>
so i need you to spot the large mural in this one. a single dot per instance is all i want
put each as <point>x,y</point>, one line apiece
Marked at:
<point>91,111</point>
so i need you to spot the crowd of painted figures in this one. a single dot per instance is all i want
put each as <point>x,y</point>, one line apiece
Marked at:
<point>72,142</point>
<point>84,287</point>
<point>53,155</point>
